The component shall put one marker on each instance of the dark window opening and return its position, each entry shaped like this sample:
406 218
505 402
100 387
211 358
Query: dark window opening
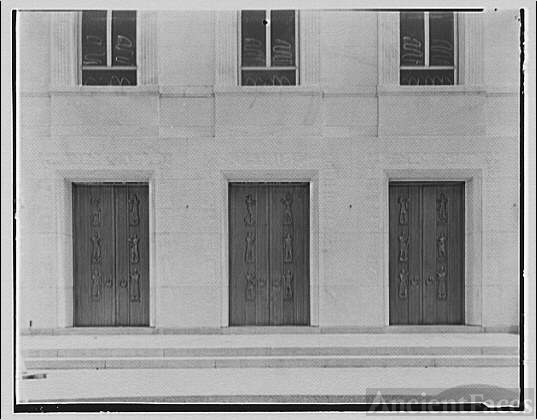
109 48
268 48
427 48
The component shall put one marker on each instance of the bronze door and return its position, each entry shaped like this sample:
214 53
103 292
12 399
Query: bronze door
111 255
269 253
426 235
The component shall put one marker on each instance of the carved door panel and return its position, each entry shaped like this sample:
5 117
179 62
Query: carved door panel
132 255
111 255
93 240
443 239
268 250
426 253
289 254
405 254
430 300
248 253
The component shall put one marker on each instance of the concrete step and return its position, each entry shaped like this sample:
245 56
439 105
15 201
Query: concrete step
266 351
267 362
92 341
273 351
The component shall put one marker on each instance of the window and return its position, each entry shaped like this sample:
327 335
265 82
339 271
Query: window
268 48
427 48
108 48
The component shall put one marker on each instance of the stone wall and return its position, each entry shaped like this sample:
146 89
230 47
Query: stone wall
189 133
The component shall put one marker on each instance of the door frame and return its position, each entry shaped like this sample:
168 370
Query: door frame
64 179
473 233
257 176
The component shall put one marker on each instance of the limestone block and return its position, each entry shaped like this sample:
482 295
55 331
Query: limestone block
189 306
351 305
431 115
38 305
347 59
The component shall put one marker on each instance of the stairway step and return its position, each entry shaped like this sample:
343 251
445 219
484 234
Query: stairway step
268 362
269 351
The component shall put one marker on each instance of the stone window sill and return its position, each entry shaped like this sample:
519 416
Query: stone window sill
269 90
104 90
395 90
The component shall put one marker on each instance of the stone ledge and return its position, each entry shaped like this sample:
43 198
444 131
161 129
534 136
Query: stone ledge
105 90
270 362
271 330
282 351
268 90
397 90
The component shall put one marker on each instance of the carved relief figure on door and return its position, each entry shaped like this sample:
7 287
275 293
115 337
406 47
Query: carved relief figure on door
96 251
250 286
96 284
288 285
134 251
403 247
403 210
441 246
442 282
287 211
288 248
249 254
442 209
134 210
95 211
135 285
249 220
403 283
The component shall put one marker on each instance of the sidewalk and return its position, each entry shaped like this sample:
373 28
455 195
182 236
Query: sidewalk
246 380
204 385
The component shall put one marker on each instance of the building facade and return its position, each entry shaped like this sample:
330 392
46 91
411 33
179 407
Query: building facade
347 170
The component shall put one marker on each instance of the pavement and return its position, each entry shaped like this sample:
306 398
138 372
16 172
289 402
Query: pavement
252 384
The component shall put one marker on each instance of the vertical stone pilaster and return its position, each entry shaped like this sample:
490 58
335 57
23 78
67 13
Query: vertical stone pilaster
147 48
388 48
226 48
471 49
64 49
309 38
